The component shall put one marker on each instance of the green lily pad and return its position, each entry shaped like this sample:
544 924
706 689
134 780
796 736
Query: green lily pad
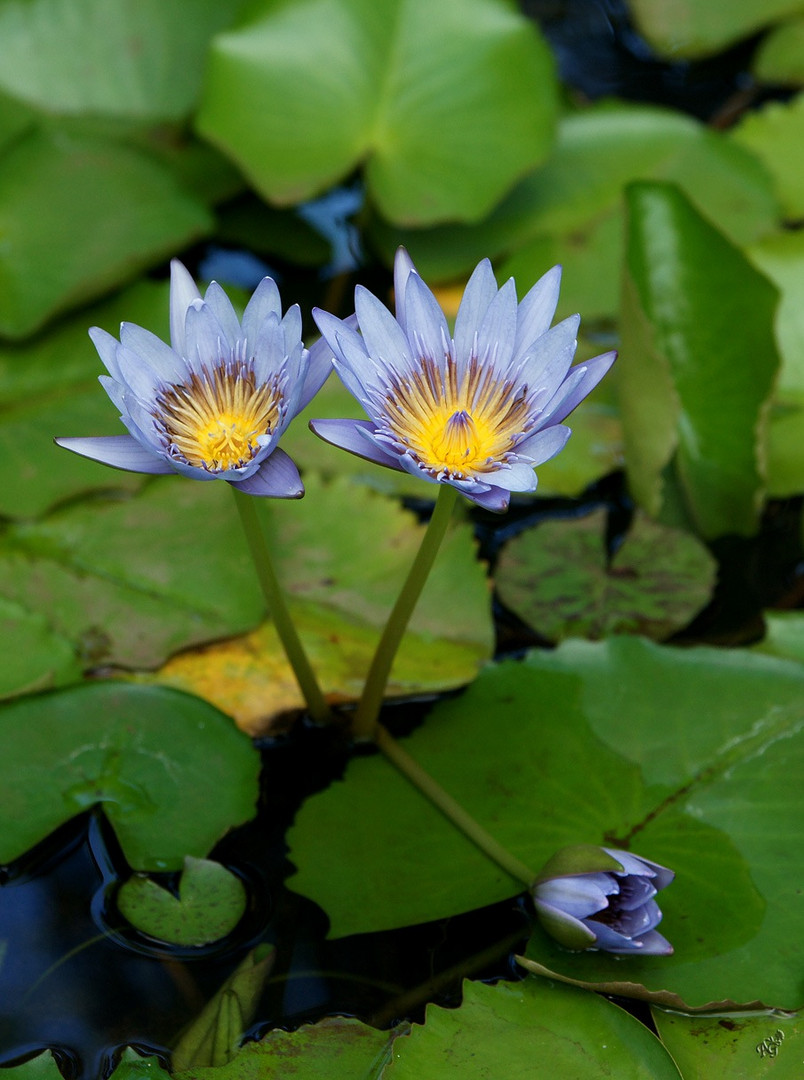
40 659
63 194
211 902
532 1028
784 635
41 1067
447 106
338 1047
135 1066
780 257
214 1037
48 387
779 58
109 57
775 133
689 29
593 743
127 580
725 1047
697 367
558 579
149 756
786 452
570 211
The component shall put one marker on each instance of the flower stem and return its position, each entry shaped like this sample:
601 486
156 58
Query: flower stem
278 610
368 708
451 809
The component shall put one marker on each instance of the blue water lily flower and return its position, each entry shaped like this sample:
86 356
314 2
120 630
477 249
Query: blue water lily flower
479 409
213 404
591 897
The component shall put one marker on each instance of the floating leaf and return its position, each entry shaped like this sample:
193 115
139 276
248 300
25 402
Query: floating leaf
40 659
338 1048
148 755
784 635
41 1067
211 902
775 133
780 257
725 1047
447 105
779 57
569 211
531 1028
688 28
135 1066
213 1037
64 195
693 389
137 58
558 578
50 387
250 679
129 581
786 452
593 743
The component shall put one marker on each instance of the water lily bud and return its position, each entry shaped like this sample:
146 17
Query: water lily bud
590 897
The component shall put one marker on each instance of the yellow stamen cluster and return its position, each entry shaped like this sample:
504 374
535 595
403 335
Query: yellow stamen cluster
460 428
213 420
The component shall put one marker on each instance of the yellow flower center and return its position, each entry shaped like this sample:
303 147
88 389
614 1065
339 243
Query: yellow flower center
213 420
458 428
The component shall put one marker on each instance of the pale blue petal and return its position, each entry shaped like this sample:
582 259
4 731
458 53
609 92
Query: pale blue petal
265 301
382 334
546 366
319 369
536 312
276 478
269 349
518 476
292 327
107 347
167 366
593 372
220 304
581 896
544 444
495 338
138 375
119 451
427 328
495 499
115 390
182 293
351 435
193 472
403 268
206 341
481 289
329 327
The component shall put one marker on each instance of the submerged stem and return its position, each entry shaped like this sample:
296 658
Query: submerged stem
451 809
368 708
278 610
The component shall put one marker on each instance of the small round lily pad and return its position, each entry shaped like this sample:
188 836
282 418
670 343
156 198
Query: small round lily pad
558 578
211 902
